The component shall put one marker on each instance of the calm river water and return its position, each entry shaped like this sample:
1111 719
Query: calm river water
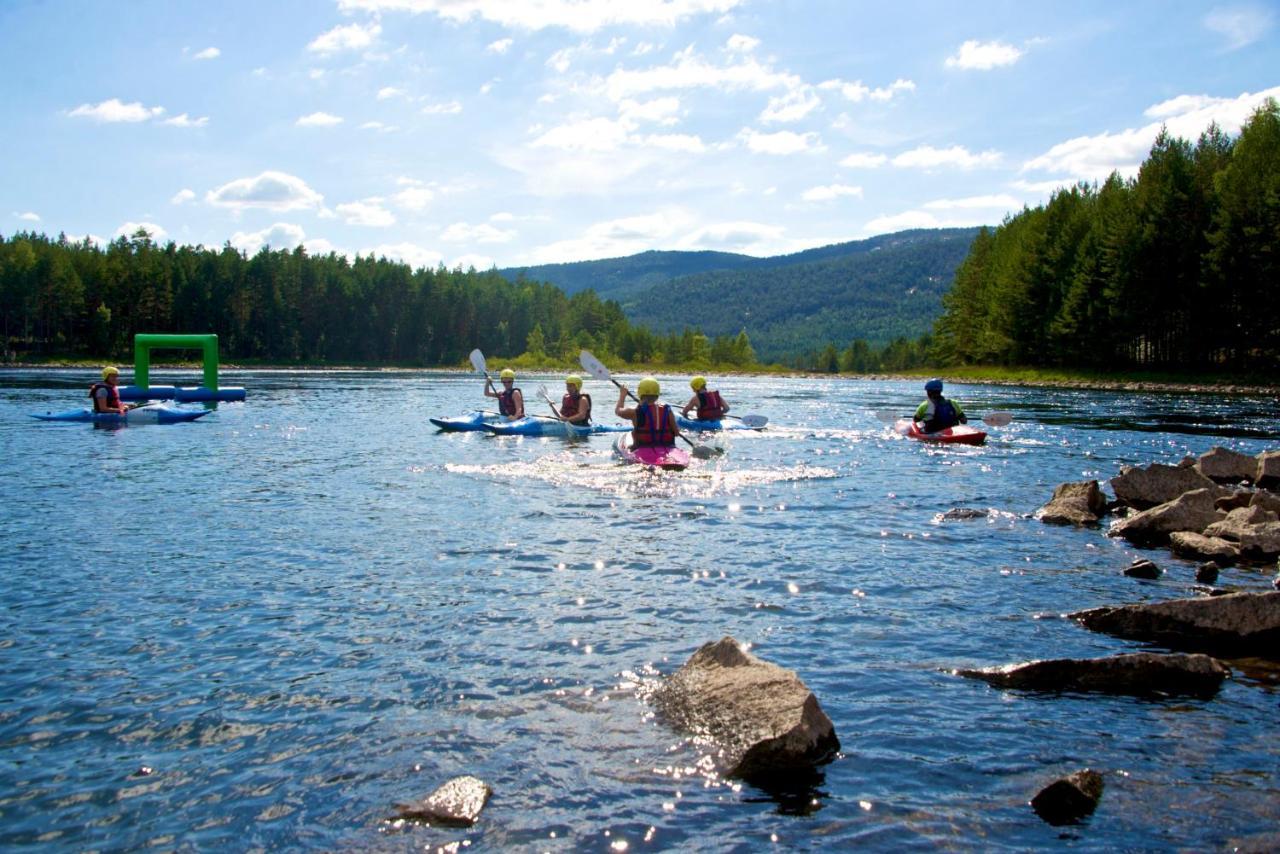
305 608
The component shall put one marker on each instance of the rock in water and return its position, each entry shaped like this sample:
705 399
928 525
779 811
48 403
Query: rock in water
1207 572
1156 484
1080 503
1142 568
761 716
1235 624
1192 545
1193 511
457 803
1142 674
1268 472
1226 466
1069 799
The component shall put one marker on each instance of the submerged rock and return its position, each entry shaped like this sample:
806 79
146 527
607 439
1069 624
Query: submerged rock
457 803
1156 484
1226 466
1142 674
1238 624
1192 511
1078 503
1207 573
1142 568
1192 545
1069 799
959 513
761 716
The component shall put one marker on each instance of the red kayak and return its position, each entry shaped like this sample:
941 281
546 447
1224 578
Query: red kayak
674 459
961 434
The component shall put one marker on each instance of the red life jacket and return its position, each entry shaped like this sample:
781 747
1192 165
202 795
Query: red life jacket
569 407
710 406
507 401
113 396
653 426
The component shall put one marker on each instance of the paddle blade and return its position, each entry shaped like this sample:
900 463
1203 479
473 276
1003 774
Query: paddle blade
542 393
477 362
998 419
594 366
706 452
888 416
755 422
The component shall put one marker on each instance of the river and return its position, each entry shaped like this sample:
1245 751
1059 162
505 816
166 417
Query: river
263 629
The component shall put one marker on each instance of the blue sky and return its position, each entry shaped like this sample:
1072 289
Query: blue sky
513 132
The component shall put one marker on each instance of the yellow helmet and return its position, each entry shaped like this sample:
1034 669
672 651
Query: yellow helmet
573 380
698 383
508 374
109 370
648 387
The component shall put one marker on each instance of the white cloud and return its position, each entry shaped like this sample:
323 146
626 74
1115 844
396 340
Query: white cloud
281 235
993 202
1240 25
687 70
448 108
28 216
923 219
581 16
412 254
829 192
1093 158
1042 188
753 238
368 212
390 92
379 127
500 46
862 160
414 197
857 91
594 134
690 143
114 110
661 110
183 196
318 120
128 229
616 238
185 121
274 191
983 56
487 86
480 262
928 157
462 232
208 53
791 106
739 43
349 37
782 142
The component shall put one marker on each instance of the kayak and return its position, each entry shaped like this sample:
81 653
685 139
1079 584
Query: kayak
139 415
673 458
710 426
961 434
549 427
471 421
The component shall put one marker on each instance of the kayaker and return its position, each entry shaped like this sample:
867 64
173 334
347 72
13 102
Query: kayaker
575 407
510 399
709 404
938 413
653 423
106 394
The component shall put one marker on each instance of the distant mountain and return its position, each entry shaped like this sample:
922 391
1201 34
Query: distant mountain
878 289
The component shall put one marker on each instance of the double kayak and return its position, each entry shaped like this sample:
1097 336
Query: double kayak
672 458
138 415
472 421
529 426
961 434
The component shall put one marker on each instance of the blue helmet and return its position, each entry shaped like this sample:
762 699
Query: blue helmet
933 385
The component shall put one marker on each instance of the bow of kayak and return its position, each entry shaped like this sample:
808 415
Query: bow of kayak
472 421
961 434
672 458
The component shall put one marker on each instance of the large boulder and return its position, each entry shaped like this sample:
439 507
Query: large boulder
1255 530
1235 624
1266 500
1156 484
1195 546
1268 472
1192 511
762 717
1224 465
1079 503
457 803
1069 799
1141 673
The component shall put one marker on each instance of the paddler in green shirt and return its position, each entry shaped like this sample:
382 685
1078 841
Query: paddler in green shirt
937 413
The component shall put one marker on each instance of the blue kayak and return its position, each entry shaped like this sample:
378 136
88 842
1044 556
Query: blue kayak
472 421
550 427
700 426
139 415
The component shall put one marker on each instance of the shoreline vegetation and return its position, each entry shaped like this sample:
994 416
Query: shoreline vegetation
1031 377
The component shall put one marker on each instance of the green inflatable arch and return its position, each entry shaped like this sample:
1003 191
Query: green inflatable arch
143 344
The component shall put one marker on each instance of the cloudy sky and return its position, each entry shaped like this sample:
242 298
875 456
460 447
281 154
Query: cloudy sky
512 132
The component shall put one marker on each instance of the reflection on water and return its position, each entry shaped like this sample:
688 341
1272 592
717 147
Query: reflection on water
307 607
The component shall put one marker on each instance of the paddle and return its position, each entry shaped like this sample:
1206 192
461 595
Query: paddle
596 368
542 393
755 422
477 362
999 418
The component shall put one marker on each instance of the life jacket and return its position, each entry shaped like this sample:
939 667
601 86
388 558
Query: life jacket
113 395
653 426
507 401
944 415
710 406
569 407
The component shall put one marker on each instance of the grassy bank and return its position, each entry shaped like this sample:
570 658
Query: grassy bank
1132 380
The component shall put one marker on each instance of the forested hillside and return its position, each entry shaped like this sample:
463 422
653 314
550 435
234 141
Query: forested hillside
618 278
1178 268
